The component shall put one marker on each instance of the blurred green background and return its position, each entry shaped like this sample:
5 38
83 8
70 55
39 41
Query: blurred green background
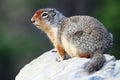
21 41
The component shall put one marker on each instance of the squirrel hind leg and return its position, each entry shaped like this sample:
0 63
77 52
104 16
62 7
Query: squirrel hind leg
85 55
96 62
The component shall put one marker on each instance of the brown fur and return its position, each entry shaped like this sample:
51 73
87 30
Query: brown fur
38 13
50 34
85 55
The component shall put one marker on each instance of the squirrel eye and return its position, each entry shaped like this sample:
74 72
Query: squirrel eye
44 14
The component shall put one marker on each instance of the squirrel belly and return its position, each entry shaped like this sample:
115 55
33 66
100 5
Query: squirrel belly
72 50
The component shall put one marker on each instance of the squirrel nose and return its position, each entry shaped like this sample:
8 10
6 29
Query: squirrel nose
33 20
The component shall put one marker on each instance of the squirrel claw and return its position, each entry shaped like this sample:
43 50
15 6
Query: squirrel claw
59 59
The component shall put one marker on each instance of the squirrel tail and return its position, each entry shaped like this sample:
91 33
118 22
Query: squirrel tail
96 62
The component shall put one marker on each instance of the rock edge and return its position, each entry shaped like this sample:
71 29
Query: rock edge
45 67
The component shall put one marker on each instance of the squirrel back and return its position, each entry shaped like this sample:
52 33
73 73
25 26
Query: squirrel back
86 33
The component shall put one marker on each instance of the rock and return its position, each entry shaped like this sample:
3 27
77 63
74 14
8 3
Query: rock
46 67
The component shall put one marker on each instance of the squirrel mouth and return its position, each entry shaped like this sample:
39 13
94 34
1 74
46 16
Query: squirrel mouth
38 26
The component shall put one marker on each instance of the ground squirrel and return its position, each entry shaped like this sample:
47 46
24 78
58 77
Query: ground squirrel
78 36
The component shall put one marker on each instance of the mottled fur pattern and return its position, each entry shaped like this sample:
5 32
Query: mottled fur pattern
87 34
78 36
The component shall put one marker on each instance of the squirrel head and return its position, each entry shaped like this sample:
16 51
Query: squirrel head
48 16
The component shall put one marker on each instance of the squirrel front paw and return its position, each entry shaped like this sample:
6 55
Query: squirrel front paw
60 59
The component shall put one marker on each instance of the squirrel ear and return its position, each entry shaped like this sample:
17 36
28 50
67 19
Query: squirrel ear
53 13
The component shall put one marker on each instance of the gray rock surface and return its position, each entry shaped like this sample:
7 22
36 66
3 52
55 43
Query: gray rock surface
45 67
